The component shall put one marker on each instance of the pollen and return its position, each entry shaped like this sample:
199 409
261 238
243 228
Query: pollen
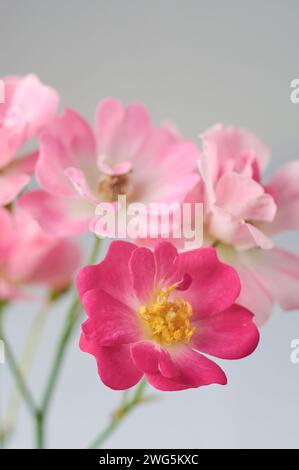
168 320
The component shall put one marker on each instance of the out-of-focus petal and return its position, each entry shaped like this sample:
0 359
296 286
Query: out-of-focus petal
284 188
58 216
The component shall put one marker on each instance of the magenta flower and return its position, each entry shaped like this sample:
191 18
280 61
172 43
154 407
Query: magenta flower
241 213
28 106
152 314
30 257
78 169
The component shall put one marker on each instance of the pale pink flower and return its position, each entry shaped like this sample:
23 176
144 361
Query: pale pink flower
29 257
152 314
28 106
241 213
77 168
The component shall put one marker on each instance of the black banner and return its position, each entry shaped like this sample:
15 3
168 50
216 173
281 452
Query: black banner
132 458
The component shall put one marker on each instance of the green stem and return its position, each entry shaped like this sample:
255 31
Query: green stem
40 437
72 317
25 365
15 370
118 416
71 320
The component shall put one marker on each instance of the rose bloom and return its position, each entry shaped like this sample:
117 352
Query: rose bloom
241 213
29 257
28 106
126 155
152 314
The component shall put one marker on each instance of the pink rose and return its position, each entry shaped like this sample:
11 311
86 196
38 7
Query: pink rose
77 168
241 213
152 314
28 106
30 257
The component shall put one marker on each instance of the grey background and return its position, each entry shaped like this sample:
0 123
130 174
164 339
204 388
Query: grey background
197 62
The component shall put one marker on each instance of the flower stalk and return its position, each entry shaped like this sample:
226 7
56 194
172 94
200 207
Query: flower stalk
15 370
25 365
71 321
120 413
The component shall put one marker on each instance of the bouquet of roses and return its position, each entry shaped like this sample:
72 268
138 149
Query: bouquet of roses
156 303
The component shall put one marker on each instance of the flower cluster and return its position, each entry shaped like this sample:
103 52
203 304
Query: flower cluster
152 310
29 256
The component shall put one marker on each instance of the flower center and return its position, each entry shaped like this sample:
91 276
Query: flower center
168 320
110 186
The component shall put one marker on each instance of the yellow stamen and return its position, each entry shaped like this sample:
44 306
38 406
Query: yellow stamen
168 321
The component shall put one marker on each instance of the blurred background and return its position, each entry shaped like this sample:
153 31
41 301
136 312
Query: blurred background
196 62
